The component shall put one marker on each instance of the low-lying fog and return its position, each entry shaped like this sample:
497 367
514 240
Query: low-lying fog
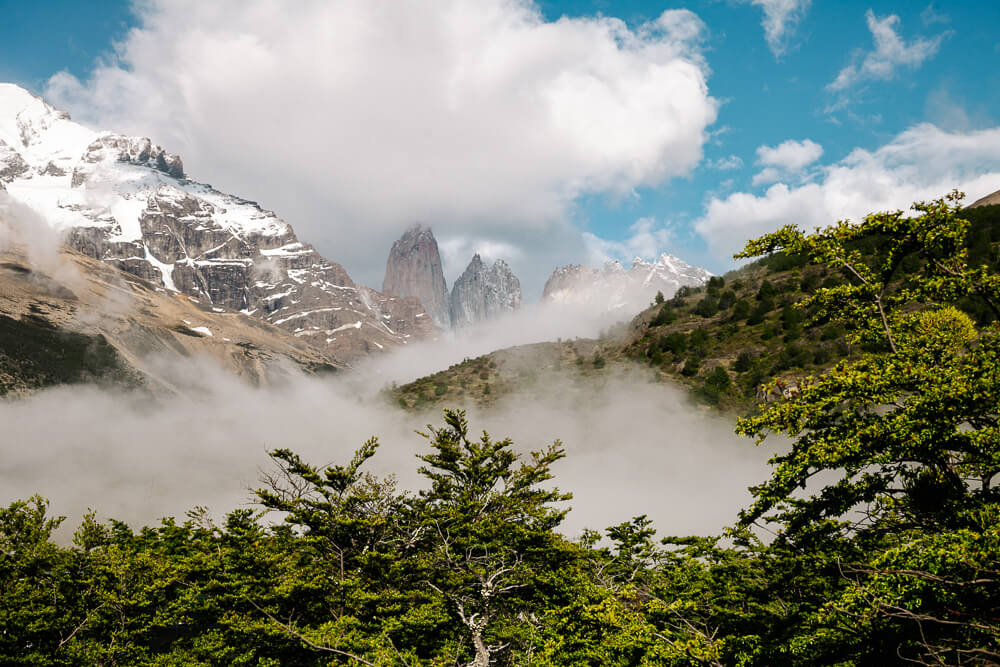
633 448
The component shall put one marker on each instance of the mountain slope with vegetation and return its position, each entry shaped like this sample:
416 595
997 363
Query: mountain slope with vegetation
727 341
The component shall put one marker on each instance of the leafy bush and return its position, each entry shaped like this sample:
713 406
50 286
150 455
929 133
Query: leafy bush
707 307
691 366
675 342
744 361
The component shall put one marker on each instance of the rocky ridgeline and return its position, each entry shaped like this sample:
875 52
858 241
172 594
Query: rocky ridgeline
126 201
484 292
481 292
613 287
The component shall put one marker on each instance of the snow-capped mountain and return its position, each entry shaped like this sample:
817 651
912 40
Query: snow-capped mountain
615 288
128 202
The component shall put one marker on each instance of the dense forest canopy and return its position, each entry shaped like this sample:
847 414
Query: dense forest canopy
882 522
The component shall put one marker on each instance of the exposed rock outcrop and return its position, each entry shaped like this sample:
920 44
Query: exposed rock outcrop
12 164
989 200
414 269
484 292
58 329
612 287
126 201
139 151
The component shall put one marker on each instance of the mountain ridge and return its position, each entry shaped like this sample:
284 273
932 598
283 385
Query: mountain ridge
129 202
613 287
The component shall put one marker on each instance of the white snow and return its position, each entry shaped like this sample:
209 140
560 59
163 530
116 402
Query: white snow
166 270
202 330
288 250
306 313
356 325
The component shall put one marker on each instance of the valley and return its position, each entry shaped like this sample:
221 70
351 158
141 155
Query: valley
218 447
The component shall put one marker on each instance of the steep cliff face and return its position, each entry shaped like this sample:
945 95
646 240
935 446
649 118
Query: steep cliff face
612 287
126 201
484 292
414 269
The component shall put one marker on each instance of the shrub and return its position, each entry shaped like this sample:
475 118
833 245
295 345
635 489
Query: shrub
707 307
766 290
727 299
666 315
675 343
744 361
691 366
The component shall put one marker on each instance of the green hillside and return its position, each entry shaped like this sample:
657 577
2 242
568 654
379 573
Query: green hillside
725 341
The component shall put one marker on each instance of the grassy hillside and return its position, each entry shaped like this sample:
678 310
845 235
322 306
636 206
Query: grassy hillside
482 381
724 340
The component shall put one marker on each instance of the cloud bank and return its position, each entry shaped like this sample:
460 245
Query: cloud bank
921 163
633 447
353 119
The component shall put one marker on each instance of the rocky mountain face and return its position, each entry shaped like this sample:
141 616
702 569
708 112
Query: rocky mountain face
483 292
126 201
613 287
414 269
82 320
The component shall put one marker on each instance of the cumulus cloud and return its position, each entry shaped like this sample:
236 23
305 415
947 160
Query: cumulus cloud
787 159
891 52
780 20
647 239
354 118
921 163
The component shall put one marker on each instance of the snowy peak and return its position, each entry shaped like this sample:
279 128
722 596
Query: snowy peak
38 132
128 202
613 288
138 151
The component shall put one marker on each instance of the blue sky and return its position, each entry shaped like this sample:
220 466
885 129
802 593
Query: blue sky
941 74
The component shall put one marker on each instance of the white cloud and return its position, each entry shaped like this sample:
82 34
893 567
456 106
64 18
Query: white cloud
780 20
930 15
921 163
726 163
354 118
767 175
792 155
647 240
891 51
785 160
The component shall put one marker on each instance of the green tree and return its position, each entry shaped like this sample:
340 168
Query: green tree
908 432
489 529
